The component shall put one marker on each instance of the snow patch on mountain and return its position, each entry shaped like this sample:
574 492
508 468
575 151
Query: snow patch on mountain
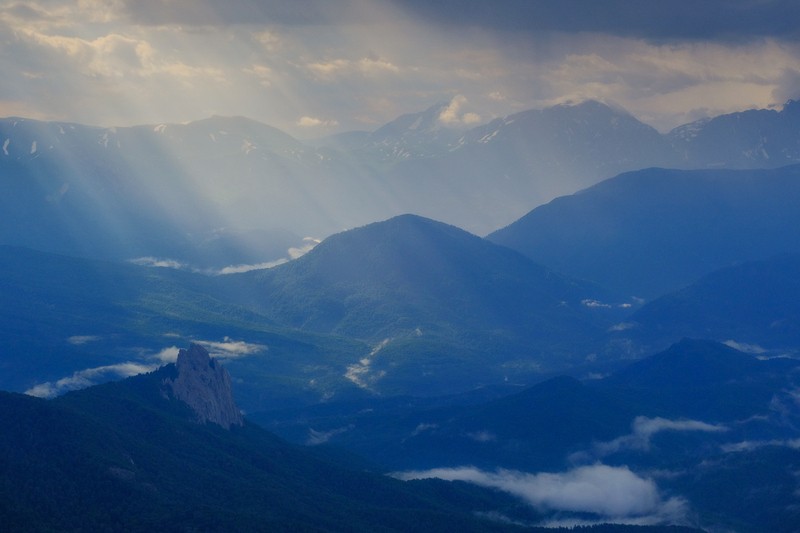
487 138
687 132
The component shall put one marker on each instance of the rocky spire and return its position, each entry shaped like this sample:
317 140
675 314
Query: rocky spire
205 386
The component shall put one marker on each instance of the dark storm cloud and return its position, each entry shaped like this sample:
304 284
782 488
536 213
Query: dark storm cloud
260 12
313 67
729 20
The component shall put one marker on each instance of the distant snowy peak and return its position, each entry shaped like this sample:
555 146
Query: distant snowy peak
23 138
687 132
747 139
413 135
589 119
228 135
427 121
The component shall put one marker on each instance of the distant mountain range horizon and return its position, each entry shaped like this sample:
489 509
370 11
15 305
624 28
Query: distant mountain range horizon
225 191
411 118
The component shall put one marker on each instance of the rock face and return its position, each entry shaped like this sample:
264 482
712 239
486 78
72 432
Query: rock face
205 386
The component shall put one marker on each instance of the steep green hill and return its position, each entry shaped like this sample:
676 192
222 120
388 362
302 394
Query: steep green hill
445 310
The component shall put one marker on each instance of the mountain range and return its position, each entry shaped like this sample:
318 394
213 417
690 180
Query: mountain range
441 307
227 190
626 352
752 305
408 305
652 231
414 306
696 415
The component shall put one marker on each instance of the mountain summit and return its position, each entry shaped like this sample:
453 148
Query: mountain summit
205 386
442 309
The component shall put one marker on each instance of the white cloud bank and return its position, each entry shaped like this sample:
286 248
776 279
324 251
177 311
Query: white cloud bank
226 349
88 377
292 252
614 494
314 122
78 340
230 349
643 429
167 355
751 445
454 115
745 347
158 262
239 269
316 438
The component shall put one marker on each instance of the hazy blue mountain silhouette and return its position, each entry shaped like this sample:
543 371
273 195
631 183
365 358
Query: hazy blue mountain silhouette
232 189
498 171
756 304
757 138
654 231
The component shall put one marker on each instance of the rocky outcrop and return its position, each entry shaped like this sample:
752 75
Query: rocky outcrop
205 386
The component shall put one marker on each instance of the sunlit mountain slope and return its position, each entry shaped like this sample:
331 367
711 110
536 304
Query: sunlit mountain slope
228 191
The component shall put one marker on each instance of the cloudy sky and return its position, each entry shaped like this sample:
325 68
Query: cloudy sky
313 67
